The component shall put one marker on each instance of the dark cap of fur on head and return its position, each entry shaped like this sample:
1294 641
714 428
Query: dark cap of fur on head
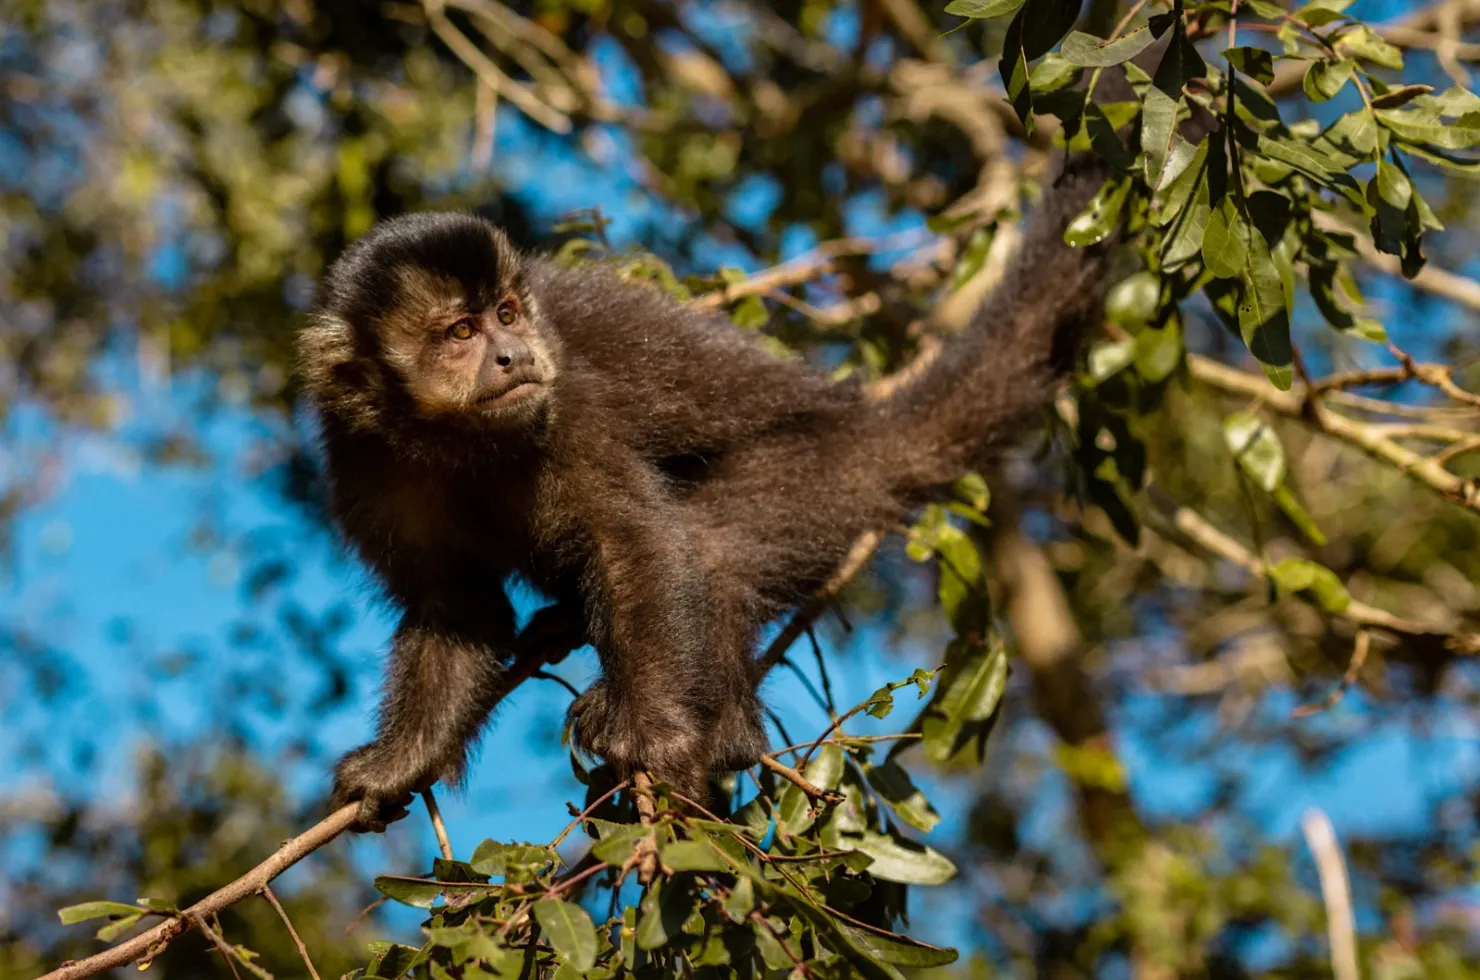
387 280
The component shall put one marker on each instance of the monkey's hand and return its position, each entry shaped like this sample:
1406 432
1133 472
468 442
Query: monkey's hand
637 734
382 787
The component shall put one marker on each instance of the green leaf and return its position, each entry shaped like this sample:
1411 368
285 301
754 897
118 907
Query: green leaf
750 313
1257 63
904 861
967 701
1091 129
961 587
393 960
1363 42
1088 51
1184 241
118 927
1402 95
693 855
1303 575
1263 314
1109 359
1319 12
1175 191
1322 279
414 893
569 930
1052 74
1415 127
1133 301
662 912
616 847
898 950
1166 154
1355 134
1158 351
1389 192
825 770
73 914
1266 9
1099 218
894 786
1033 31
468 941
1323 79
1180 62
1257 448
973 257
1225 247
973 489
1299 516
740 901
982 8
514 862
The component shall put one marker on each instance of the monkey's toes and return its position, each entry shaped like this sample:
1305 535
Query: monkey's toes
382 792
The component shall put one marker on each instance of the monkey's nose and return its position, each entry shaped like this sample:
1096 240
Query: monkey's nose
511 353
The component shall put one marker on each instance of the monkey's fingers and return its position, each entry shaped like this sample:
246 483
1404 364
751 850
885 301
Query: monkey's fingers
377 814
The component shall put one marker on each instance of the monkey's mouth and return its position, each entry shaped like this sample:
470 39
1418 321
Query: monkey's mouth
516 390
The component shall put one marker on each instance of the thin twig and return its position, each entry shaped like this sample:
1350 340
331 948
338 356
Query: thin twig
283 914
846 740
814 792
349 929
227 953
802 620
815 263
589 810
1335 893
1354 668
438 827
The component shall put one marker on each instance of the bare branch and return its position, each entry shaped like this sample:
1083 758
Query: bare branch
492 75
283 914
813 792
1299 403
145 946
1358 661
1335 892
438 827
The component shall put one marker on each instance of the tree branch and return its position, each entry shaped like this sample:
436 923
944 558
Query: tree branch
147 945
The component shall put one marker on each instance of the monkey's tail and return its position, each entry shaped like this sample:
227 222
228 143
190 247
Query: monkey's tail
992 380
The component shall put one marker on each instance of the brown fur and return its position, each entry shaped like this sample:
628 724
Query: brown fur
670 478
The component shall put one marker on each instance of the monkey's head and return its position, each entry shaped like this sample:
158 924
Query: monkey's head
426 324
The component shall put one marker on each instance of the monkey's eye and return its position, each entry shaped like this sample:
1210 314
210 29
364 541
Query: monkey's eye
462 330
507 312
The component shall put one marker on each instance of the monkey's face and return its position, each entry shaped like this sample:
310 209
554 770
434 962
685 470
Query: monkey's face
428 316
478 358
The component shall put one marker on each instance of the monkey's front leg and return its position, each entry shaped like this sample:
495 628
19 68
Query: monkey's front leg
653 624
439 689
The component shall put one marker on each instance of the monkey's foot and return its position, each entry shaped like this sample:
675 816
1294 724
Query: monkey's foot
383 789
635 736
739 736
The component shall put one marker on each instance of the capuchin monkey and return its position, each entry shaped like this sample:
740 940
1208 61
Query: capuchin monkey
488 414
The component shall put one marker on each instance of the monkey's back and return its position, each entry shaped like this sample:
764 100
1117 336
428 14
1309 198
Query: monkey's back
677 380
